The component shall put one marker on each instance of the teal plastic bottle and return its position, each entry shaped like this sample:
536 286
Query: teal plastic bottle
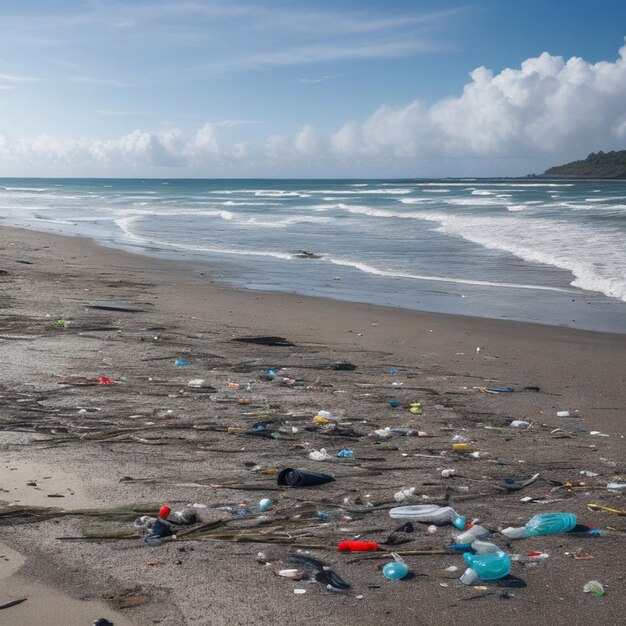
489 566
543 524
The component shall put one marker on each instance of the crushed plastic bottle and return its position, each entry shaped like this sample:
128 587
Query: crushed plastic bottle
424 513
491 566
345 454
543 524
397 569
471 534
593 586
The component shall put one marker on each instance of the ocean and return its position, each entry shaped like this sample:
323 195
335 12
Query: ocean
535 250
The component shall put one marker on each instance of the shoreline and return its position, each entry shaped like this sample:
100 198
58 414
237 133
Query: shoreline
151 439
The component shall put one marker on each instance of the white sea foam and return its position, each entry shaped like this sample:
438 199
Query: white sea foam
435 191
481 192
370 269
594 256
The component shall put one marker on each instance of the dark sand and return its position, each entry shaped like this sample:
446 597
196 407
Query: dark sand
171 443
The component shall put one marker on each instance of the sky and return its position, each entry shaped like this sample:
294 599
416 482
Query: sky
308 89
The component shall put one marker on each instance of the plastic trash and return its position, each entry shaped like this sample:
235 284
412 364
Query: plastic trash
104 380
265 504
446 473
383 433
543 524
196 383
324 574
320 455
500 389
416 408
593 586
484 547
424 513
403 494
519 424
614 486
486 566
181 362
345 454
298 478
357 546
562 413
461 447
395 403
396 570
471 534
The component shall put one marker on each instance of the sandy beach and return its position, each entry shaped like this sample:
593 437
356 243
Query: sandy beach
75 316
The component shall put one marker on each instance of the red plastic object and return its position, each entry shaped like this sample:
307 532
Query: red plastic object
164 511
103 380
357 546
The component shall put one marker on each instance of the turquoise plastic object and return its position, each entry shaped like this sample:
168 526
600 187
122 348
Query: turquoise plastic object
550 524
458 522
489 566
396 570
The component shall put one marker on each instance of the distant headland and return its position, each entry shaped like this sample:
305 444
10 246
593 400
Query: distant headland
596 165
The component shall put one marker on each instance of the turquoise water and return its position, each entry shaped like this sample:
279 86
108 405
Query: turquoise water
547 251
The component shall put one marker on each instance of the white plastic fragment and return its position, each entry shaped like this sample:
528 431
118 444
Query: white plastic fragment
519 424
403 494
562 413
299 592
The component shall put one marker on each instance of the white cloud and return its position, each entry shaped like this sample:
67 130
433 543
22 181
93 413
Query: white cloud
547 107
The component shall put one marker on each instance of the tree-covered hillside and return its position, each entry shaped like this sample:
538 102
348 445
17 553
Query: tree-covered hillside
596 165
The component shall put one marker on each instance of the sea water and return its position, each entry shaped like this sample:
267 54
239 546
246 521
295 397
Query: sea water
539 250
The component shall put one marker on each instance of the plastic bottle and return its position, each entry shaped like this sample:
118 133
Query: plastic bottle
471 534
424 513
396 570
486 566
543 524
345 454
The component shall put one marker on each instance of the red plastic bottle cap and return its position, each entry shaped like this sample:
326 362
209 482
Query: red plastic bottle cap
535 553
164 511
357 546
103 380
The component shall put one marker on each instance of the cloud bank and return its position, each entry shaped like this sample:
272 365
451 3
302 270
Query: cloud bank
545 109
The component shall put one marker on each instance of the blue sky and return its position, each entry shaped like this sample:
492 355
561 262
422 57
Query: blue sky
299 89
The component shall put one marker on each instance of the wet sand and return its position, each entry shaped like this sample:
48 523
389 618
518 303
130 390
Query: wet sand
151 439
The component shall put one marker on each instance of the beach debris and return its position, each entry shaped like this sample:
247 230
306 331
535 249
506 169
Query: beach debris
324 574
491 565
593 586
598 507
123 307
399 535
396 569
102 621
615 486
292 574
543 524
519 424
320 455
342 366
128 598
270 340
306 254
298 478
447 473
432 513
299 592
404 493
265 504
515 484
8 605
562 414
357 546
394 404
